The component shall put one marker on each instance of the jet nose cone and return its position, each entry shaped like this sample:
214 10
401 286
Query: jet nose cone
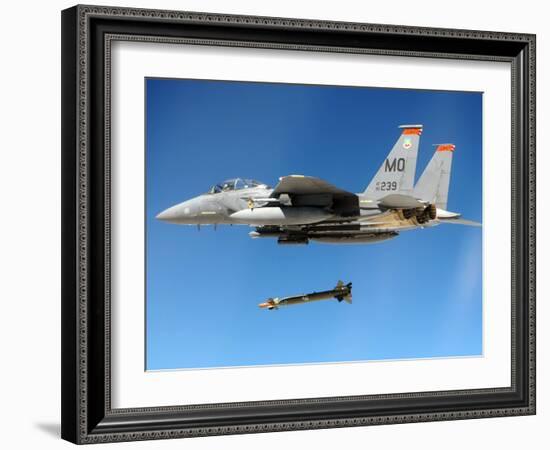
167 215
183 213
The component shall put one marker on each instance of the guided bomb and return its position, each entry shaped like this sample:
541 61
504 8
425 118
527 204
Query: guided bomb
340 292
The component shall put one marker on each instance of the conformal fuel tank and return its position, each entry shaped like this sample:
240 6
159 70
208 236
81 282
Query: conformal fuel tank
276 215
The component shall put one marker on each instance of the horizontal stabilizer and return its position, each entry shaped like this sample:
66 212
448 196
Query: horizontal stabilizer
400 201
467 222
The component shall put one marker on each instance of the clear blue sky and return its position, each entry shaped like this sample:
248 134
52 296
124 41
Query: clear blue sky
416 296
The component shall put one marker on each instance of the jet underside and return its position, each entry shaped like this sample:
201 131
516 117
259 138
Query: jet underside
370 227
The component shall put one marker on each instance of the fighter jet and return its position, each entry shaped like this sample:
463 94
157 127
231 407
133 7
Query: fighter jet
340 292
303 208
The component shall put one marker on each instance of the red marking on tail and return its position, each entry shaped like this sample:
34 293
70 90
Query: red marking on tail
417 131
445 148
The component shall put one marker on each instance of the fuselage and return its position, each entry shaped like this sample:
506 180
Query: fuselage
250 207
301 219
246 207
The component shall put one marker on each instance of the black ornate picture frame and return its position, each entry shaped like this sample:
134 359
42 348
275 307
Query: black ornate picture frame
87 34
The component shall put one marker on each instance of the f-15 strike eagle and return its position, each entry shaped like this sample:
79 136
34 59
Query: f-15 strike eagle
302 208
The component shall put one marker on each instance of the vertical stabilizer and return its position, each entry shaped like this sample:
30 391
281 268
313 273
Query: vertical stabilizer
433 185
396 175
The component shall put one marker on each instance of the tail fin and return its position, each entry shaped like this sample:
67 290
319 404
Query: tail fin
396 175
348 297
433 185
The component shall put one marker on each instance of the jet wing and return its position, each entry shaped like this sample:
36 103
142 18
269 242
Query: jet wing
311 191
304 185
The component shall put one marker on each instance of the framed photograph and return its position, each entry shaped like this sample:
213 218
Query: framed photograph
279 224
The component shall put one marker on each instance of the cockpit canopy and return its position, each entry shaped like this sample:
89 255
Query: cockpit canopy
235 184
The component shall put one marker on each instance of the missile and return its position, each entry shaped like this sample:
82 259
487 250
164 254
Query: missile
340 292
